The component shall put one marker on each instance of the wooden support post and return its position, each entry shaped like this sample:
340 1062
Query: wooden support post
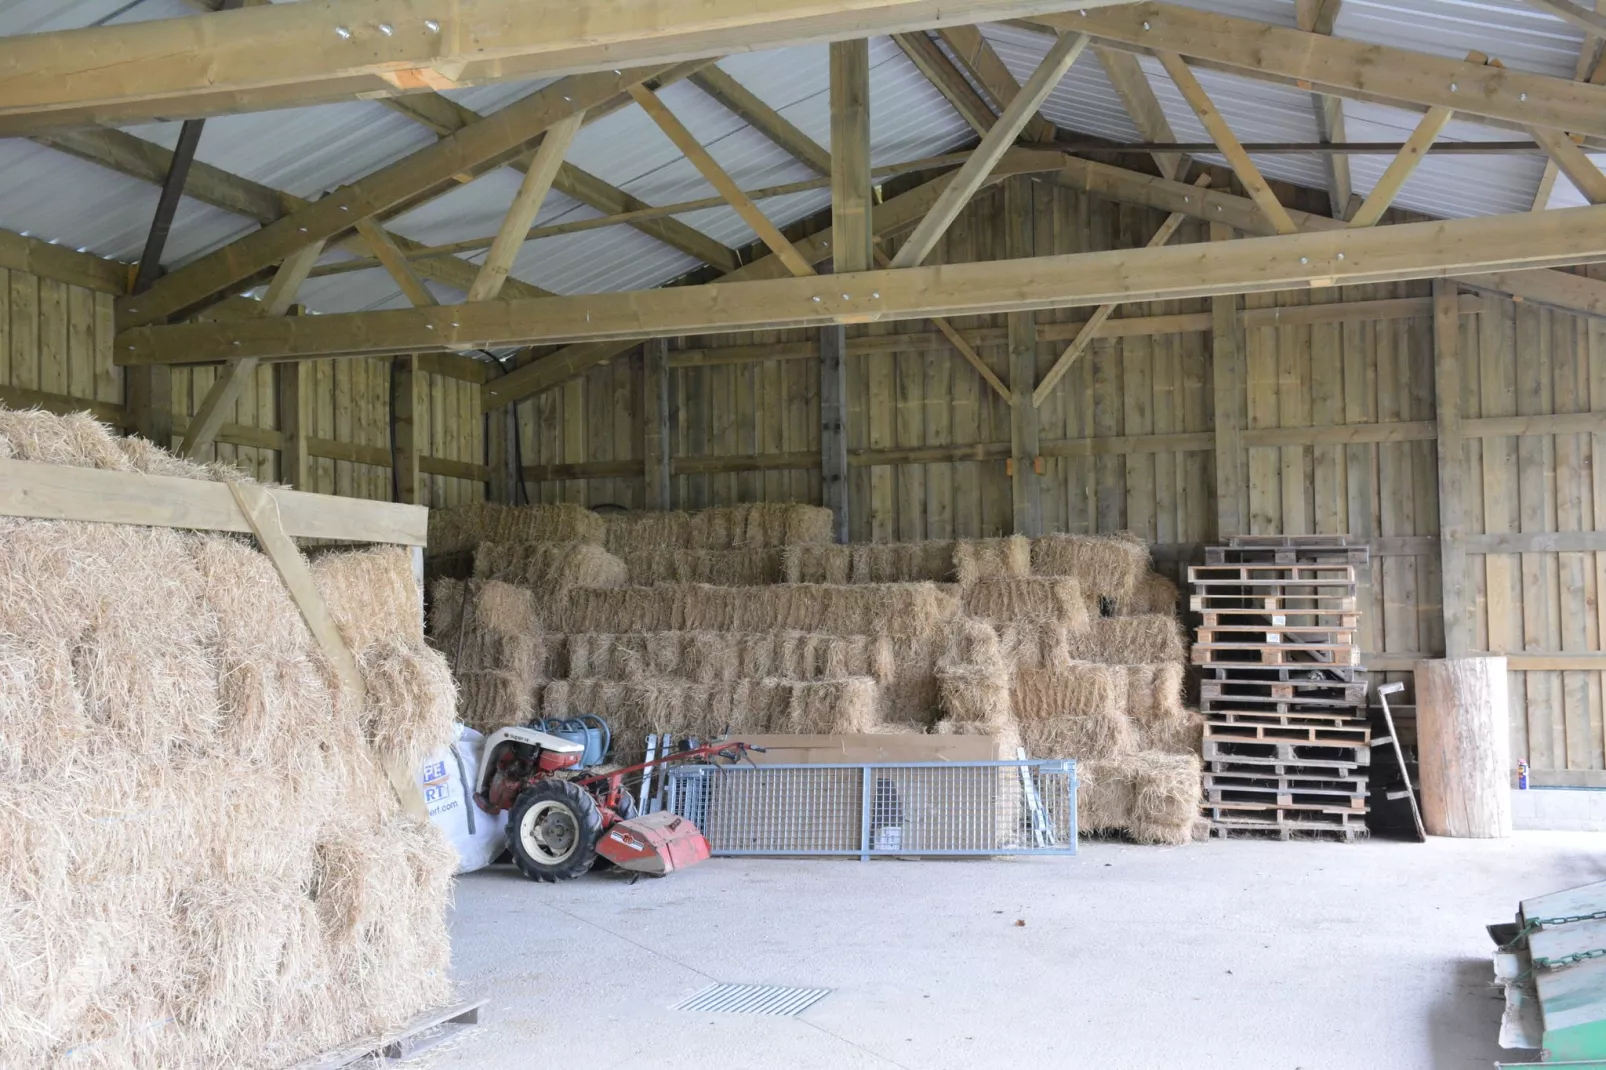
850 155
262 514
404 387
833 426
150 403
1227 356
1025 486
1457 604
293 456
1463 736
655 434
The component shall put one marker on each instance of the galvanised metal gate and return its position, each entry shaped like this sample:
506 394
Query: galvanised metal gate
891 809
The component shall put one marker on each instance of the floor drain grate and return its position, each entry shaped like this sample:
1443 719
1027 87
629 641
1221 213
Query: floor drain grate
753 999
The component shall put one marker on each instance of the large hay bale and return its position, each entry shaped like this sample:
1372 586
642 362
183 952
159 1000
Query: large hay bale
976 559
882 562
1104 796
1165 796
682 708
550 566
1107 566
1153 593
756 526
727 568
174 750
1185 735
1077 713
1029 645
489 700
706 657
503 633
1153 637
463 527
1009 599
1154 694
879 609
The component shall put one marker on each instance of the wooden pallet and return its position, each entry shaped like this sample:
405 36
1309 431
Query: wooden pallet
1346 833
1277 814
1219 601
1357 556
1248 619
1234 712
1319 655
1264 633
1272 767
1328 735
1263 750
1295 575
1218 795
1318 780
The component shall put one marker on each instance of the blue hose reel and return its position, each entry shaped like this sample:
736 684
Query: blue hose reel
596 737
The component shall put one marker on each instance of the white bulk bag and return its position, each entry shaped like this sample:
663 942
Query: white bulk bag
447 780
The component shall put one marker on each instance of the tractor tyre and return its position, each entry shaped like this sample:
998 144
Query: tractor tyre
553 830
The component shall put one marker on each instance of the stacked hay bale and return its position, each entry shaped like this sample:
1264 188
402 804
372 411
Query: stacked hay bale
201 861
749 618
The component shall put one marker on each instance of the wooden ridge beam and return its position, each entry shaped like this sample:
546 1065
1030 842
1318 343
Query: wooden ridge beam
268 55
1330 258
1379 73
490 143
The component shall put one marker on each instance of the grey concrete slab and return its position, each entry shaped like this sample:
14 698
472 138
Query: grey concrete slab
1305 955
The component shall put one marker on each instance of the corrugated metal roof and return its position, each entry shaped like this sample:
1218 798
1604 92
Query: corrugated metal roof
308 151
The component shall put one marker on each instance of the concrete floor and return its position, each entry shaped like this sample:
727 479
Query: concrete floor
1225 954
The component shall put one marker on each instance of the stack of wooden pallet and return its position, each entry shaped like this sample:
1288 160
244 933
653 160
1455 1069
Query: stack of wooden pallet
1286 744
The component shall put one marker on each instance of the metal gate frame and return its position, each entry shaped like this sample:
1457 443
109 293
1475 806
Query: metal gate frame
1048 791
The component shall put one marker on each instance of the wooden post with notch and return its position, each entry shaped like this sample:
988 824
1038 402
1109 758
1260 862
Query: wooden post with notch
1452 469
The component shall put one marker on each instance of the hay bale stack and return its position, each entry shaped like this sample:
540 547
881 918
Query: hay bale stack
1031 645
635 708
1076 713
757 526
553 566
977 559
464 527
1152 637
503 634
1107 566
882 562
729 568
707 657
200 862
1154 593
909 609
1008 599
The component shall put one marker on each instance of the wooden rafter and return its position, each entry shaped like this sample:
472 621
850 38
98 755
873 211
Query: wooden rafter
717 177
974 172
946 79
411 180
745 105
526 205
269 55
1573 162
395 262
1254 183
445 116
1378 73
1090 329
1132 85
977 57
1589 67
128 155
1436 249
891 217
1399 169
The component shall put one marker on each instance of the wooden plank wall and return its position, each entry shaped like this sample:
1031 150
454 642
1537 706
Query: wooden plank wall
55 353
1339 436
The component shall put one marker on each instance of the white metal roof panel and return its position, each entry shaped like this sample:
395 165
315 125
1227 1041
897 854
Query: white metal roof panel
1449 186
1083 102
1512 31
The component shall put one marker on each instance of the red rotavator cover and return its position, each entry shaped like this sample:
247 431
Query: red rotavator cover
655 844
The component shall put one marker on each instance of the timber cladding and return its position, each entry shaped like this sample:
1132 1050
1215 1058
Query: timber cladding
1337 428
56 354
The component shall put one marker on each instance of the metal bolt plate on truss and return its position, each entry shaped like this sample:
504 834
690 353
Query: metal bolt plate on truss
753 999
